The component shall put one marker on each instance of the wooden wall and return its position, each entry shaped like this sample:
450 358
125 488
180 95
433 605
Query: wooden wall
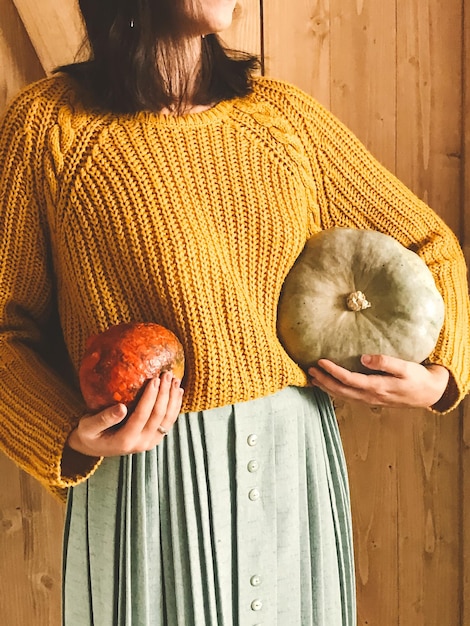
397 72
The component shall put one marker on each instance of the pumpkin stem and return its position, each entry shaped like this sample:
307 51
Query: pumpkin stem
357 301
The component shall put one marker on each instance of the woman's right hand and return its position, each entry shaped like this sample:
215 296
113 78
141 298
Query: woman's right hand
159 407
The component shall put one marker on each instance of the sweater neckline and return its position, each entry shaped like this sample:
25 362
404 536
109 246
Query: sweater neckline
213 115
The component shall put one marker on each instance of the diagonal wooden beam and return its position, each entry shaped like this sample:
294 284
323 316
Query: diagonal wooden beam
55 29
19 64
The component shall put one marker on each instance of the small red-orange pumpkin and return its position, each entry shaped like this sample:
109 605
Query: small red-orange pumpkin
118 362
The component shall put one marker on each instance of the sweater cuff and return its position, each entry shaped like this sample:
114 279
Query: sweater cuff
449 399
76 467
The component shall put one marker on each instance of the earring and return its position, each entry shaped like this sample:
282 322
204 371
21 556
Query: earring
131 24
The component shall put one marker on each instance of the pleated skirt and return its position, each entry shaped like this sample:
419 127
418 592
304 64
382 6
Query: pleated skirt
241 517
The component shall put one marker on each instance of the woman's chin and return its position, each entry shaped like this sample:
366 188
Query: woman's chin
218 26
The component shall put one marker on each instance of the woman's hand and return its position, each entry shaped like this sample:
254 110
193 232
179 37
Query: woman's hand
403 384
159 407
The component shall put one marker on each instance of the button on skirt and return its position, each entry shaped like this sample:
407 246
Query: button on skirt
241 517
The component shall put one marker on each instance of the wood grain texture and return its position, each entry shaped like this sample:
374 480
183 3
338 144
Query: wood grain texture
363 72
297 44
429 103
396 82
245 31
363 96
19 64
31 523
372 454
429 122
30 520
55 29
464 490
464 487
429 541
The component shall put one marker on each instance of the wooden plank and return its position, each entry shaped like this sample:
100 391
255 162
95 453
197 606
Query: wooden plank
465 135
19 64
55 29
429 64
363 90
296 36
465 218
15 598
428 160
363 72
428 519
371 447
245 31
31 523
30 520
464 559
43 521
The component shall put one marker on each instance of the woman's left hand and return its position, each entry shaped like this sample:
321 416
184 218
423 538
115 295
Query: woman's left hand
402 384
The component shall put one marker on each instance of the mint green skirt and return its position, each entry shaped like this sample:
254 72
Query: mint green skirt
241 517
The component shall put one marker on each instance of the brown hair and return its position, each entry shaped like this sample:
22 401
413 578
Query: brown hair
138 59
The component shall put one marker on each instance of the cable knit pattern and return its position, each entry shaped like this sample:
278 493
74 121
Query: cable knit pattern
191 222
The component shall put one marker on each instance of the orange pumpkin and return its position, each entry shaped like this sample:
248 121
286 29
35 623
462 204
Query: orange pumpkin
118 362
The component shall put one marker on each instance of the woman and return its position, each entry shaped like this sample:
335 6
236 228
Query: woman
161 181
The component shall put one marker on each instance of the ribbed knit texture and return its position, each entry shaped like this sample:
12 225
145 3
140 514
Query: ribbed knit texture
191 222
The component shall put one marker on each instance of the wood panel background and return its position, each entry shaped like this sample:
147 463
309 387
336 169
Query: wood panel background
397 72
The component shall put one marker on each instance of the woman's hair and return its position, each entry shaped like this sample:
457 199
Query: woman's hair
139 56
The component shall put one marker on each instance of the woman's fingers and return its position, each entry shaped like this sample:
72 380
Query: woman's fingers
111 417
387 364
86 437
159 407
401 383
140 415
167 405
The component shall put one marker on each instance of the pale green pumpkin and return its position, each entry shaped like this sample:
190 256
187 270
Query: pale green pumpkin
354 292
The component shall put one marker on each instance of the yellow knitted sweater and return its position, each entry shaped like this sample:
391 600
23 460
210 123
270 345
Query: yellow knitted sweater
191 222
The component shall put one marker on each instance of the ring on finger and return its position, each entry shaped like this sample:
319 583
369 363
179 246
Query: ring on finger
163 431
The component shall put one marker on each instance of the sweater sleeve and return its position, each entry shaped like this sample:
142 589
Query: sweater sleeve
355 191
38 408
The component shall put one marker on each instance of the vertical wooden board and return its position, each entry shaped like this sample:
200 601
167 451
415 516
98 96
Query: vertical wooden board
31 523
55 29
415 515
465 214
428 519
19 64
464 490
296 44
429 103
30 536
370 442
465 220
363 72
363 89
43 521
465 204
15 596
245 31
429 113
428 161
